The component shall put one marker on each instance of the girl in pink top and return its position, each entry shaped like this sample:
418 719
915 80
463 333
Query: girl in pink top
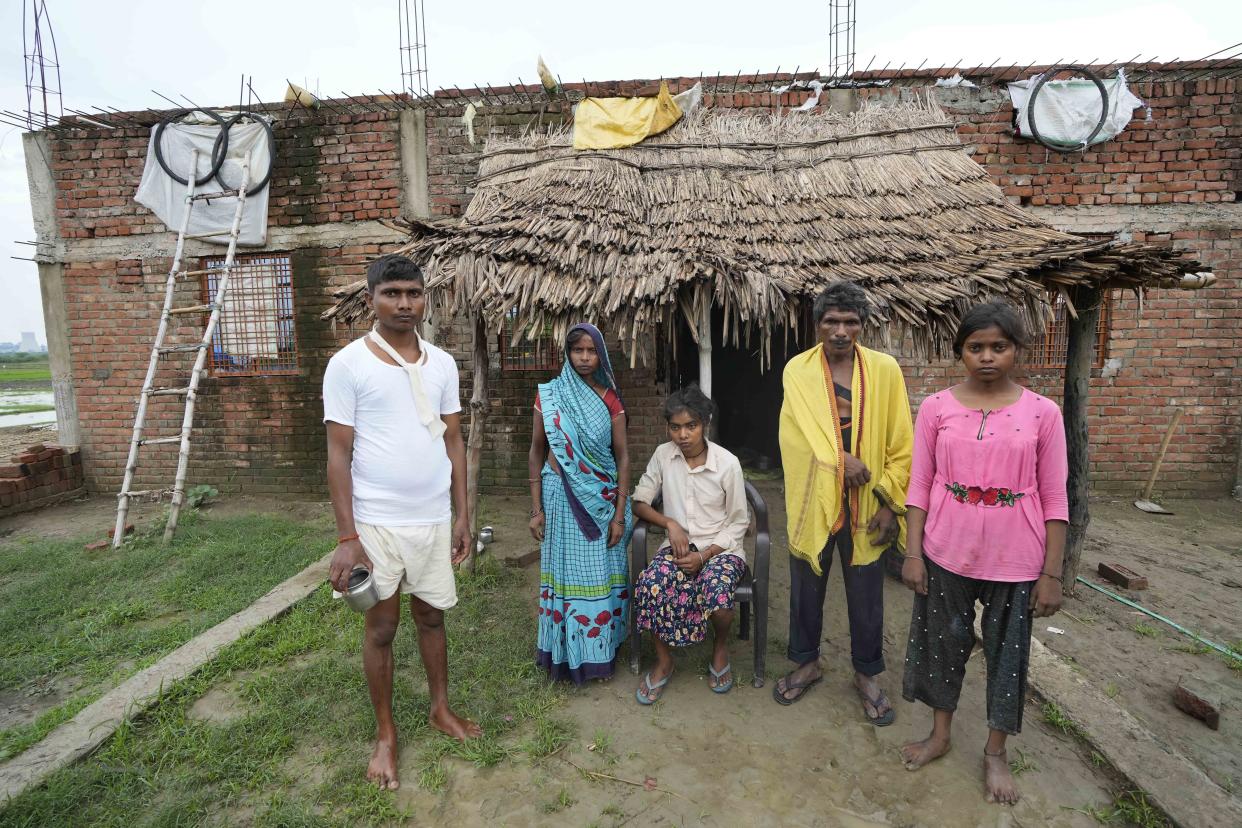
986 522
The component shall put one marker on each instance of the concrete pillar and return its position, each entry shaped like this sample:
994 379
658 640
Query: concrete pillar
52 284
844 101
52 292
415 197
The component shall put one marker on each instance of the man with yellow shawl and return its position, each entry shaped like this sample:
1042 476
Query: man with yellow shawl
846 443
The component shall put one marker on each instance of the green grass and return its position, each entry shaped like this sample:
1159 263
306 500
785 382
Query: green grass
87 620
1057 717
25 372
1129 808
560 802
1146 630
25 408
297 753
1022 764
1230 661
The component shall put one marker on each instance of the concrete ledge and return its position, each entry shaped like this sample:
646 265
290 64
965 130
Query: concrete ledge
86 731
163 243
1170 780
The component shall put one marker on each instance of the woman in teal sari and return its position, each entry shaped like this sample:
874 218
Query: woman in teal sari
579 479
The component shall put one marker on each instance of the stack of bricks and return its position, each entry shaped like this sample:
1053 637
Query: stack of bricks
39 476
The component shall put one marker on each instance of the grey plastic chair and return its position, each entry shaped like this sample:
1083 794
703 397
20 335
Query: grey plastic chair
751 590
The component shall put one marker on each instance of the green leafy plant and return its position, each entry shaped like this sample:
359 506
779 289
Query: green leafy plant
201 495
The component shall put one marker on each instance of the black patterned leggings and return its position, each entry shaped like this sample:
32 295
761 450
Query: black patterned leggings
942 635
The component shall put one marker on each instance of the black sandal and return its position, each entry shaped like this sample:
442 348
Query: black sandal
880 719
779 695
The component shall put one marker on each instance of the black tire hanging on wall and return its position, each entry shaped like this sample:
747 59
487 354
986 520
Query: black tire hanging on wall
218 150
271 151
1058 146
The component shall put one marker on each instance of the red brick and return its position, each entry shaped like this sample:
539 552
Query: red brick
1123 577
1198 698
129 527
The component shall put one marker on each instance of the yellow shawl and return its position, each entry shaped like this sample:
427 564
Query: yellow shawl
810 437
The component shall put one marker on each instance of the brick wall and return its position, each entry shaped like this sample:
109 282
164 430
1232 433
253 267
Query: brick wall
1172 177
328 168
39 476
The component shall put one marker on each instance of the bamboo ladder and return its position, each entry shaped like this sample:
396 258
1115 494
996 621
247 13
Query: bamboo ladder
159 349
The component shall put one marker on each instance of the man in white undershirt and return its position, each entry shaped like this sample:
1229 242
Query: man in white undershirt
395 453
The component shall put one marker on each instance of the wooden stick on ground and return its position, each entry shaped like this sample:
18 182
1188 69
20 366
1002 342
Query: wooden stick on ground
598 775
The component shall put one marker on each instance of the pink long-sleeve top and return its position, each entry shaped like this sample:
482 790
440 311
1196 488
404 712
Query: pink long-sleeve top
988 480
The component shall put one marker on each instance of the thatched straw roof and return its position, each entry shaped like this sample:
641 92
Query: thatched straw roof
752 213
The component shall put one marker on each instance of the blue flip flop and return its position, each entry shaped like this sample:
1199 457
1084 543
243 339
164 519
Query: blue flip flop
722 688
650 699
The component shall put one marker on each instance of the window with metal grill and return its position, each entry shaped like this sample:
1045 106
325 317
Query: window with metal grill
255 335
1049 350
541 354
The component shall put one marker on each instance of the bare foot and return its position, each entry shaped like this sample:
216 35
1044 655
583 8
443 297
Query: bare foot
448 722
915 755
998 780
383 768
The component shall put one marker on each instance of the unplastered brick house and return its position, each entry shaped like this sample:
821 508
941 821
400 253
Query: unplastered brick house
345 171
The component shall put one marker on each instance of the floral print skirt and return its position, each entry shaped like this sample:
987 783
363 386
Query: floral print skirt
676 607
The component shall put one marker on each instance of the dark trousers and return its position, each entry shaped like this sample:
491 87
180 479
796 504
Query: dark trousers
942 633
864 598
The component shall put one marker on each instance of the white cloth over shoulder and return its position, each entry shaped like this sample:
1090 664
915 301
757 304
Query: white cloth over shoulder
166 198
414 370
401 473
1067 110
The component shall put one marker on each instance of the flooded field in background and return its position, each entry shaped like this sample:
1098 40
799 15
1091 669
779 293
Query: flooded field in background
26 406
26 393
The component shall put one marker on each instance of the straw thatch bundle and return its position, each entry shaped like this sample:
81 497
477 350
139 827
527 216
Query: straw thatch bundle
751 213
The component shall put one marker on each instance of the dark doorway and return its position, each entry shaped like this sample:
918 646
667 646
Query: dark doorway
748 399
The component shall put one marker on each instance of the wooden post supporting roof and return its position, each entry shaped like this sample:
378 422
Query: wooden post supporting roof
1079 357
705 350
478 418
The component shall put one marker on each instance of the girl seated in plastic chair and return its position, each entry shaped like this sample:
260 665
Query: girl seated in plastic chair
691 582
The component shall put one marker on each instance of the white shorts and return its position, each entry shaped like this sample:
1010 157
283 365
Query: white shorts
415 558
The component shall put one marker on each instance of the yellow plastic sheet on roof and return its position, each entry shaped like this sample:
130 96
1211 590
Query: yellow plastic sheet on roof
609 123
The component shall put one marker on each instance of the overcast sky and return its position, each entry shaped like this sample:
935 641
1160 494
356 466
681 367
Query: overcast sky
113 53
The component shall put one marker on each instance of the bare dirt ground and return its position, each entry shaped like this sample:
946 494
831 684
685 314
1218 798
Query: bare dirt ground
1193 561
14 439
741 758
